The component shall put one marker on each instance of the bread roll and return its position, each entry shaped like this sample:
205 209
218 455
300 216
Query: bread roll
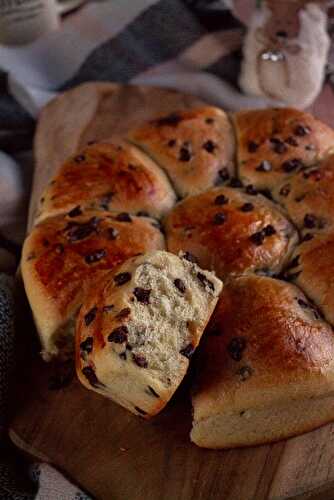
108 176
64 254
312 269
308 196
231 232
195 147
137 330
266 370
274 143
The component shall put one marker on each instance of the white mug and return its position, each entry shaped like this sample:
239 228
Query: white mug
22 21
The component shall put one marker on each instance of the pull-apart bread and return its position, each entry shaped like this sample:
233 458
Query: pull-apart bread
138 329
248 197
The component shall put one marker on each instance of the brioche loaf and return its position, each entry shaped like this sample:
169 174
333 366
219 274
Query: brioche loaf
263 223
64 253
138 329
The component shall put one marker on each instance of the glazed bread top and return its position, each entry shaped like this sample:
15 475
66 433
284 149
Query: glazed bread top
108 176
231 232
273 143
265 344
308 196
62 254
196 147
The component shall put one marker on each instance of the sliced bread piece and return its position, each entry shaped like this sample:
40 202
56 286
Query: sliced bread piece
138 328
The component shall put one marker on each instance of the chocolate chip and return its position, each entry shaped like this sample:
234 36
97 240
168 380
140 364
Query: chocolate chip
119 335
185 152
90 316
180 285
190 257
267 193
87 345
269 230
209 121
140 360
139 410
106 199
42 200
301 130
45 242
310 221
204 280
75 211
291 141
59 248
122 278
235 347
209 146
79 158
142 295
77 232
278 146
290 165
235 183
245 372
122 355
123 217
250 189
152 391
285 190
307 237
300 198
142 213
310 147
257 238
123 313
171 120
112 233
252 147
90 375
224 174
188 351
265 166
221 200
219 218
108 308
171 143
281 34
95 256
247 207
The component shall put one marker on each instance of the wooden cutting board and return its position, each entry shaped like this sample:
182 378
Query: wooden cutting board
109 452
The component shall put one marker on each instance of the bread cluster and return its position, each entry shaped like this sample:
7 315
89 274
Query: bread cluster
133 237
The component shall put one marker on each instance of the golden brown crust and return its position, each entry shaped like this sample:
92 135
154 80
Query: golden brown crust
308 196
312 269
195 148
108 176
229 231
62 254
265 345
273 143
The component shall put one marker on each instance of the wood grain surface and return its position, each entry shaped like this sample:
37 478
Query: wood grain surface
109 452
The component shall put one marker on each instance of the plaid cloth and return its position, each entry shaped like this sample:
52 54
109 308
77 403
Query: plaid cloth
193 46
